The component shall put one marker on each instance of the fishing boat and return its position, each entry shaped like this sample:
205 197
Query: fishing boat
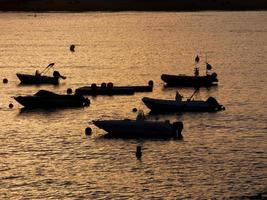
41 78
180 105
140 128
196 80
47 99
109 89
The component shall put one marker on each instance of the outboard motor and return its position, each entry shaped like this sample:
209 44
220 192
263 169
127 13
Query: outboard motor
214 102
57 74
214 77
177 129
86 102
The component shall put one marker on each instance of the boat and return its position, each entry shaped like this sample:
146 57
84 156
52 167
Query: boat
109 89
140 128
180 105
47 99
196 80
41 78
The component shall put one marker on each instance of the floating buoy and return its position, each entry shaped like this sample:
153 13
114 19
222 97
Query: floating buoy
88 131
110 85
93 86
103 85
138 152
72 47
150 83
69 91
10 105
134 109
5 80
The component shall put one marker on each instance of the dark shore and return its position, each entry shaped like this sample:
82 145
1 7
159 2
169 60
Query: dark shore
131 5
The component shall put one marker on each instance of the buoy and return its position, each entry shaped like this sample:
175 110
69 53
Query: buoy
88 131
150 83
93 86
5 80
72 47
103 85
69 91
10 106
110 85
134 109
138 152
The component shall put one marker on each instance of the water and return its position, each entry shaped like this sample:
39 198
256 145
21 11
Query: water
46 155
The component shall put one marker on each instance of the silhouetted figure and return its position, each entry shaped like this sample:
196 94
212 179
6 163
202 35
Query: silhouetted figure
138 152
37 73
196 71
72 47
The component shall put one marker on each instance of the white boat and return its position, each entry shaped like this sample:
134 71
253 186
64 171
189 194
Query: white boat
140 128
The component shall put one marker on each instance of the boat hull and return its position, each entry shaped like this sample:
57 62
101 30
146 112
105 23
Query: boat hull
139 129
33 79
118 90
189 81
161 106
52 100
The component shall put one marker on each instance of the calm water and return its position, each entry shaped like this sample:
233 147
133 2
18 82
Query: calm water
46 155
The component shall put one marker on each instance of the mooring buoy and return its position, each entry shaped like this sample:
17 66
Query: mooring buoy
72 48
88 131
5 80
134 109
69 91
10 105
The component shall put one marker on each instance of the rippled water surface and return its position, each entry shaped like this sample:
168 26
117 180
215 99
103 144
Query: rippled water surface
45 154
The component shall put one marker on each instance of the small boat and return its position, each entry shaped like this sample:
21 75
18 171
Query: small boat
207 80
190 81
41 78
179 105
140 128
109 89
47 99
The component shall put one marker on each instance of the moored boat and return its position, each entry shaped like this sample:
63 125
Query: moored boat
179 105
41 78
47 99
190 81
140 128
109 89
197 80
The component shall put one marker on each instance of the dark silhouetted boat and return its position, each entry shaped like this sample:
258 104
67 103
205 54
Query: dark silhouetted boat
207 80
140 128
109 89
179 105
47 99
41 78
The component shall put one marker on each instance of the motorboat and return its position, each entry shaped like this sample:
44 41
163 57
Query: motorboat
47 99
110 89
140 128
190 81
180 105
41 78
196 80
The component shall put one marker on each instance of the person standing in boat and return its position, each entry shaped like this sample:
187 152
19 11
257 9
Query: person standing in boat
178 97
37 73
